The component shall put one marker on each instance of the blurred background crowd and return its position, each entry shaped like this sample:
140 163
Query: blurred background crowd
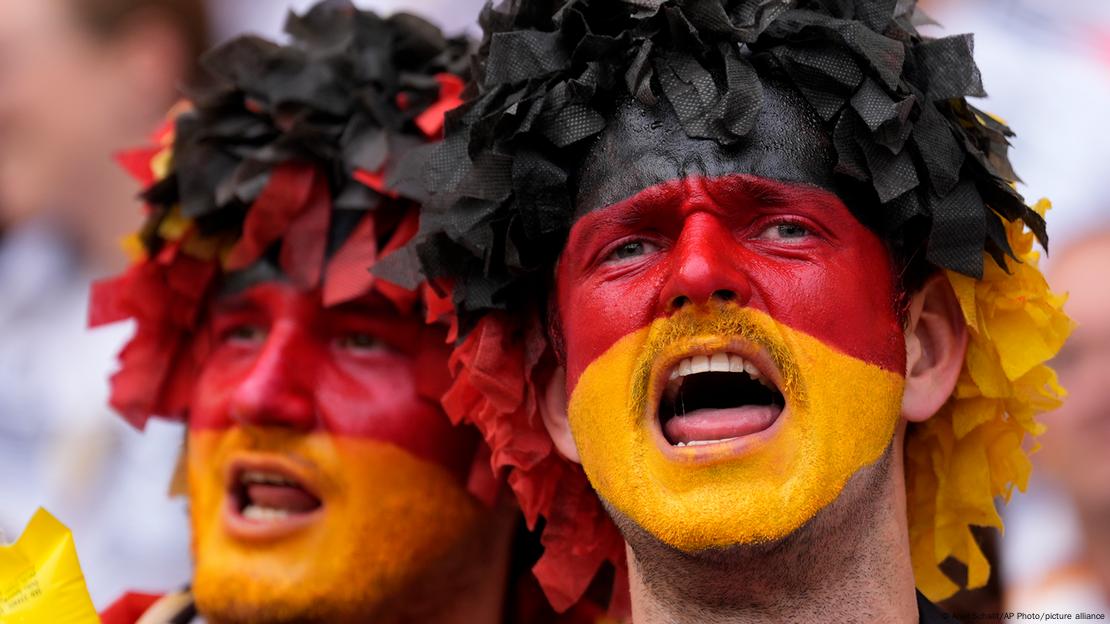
82 79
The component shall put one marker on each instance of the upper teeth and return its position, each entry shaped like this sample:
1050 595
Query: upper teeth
257 512
718 362
258 476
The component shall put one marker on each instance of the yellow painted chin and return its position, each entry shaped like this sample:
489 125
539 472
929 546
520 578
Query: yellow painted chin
841 415
388 519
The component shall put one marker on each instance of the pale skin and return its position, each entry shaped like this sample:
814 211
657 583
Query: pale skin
851 562
69 100
1074 444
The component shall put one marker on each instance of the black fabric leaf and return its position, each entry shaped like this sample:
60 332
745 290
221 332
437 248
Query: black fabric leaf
950 68
938 149
959 230
342 95
516 56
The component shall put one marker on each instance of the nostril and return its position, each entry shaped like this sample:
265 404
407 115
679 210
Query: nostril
724 295
679 302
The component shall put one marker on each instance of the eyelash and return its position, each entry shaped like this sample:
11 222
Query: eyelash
609 255
787 222
243 332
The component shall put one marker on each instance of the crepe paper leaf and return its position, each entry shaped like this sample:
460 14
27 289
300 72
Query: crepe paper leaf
374 181
516 56
743 21
305 243
284 197
891 174
129 608
957 227
950 68
431 120
137 163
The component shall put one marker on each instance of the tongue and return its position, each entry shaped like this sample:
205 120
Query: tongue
720 424
286 497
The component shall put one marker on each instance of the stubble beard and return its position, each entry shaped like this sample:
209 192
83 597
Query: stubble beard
768 579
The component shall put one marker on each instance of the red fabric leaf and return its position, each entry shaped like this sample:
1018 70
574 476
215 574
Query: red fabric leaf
136 162
284 197
106 299
403 299
375 180
431 120
497 369
306 237
482 483
348 272
128 608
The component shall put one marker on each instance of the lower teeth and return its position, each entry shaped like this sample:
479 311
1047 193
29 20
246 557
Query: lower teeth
704 442
254 512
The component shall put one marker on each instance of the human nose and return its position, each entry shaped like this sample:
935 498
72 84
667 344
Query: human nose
704 267
278 390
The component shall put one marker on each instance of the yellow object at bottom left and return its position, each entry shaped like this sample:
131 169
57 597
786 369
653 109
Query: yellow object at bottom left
41 579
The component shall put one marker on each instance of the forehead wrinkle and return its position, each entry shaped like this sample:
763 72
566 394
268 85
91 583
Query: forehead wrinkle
764 192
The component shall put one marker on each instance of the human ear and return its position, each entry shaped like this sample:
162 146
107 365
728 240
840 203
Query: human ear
936 344
553 410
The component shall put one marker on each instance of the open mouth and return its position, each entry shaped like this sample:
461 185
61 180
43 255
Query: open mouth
715 398
267 497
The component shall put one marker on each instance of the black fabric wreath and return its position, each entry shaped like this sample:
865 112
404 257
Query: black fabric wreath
499 190
343 95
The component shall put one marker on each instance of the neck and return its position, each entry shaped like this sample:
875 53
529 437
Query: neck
849 564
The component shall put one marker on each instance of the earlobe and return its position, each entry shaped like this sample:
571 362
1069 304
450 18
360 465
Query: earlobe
553 409
936 345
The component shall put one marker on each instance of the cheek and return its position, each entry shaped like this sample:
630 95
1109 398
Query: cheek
211 398
847 300
594 314
385 404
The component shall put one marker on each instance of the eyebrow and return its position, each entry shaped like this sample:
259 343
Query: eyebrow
232 302
372 304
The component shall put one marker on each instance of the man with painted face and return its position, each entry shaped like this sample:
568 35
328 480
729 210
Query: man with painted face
324 482
758 267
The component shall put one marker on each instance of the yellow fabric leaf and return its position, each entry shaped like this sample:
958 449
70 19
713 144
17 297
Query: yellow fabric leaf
964 287
974 449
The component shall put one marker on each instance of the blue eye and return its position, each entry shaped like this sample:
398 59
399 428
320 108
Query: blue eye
632 249
785 231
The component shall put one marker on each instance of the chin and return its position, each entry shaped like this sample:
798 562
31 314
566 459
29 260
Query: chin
275 543
711 431
224 597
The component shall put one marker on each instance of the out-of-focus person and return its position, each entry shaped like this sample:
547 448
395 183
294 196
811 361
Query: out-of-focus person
79 81
1046 69
1074 453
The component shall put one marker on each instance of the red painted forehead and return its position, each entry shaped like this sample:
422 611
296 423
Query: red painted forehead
625 264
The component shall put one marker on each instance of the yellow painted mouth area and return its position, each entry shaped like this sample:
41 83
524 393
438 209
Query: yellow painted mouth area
840 416
388 518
